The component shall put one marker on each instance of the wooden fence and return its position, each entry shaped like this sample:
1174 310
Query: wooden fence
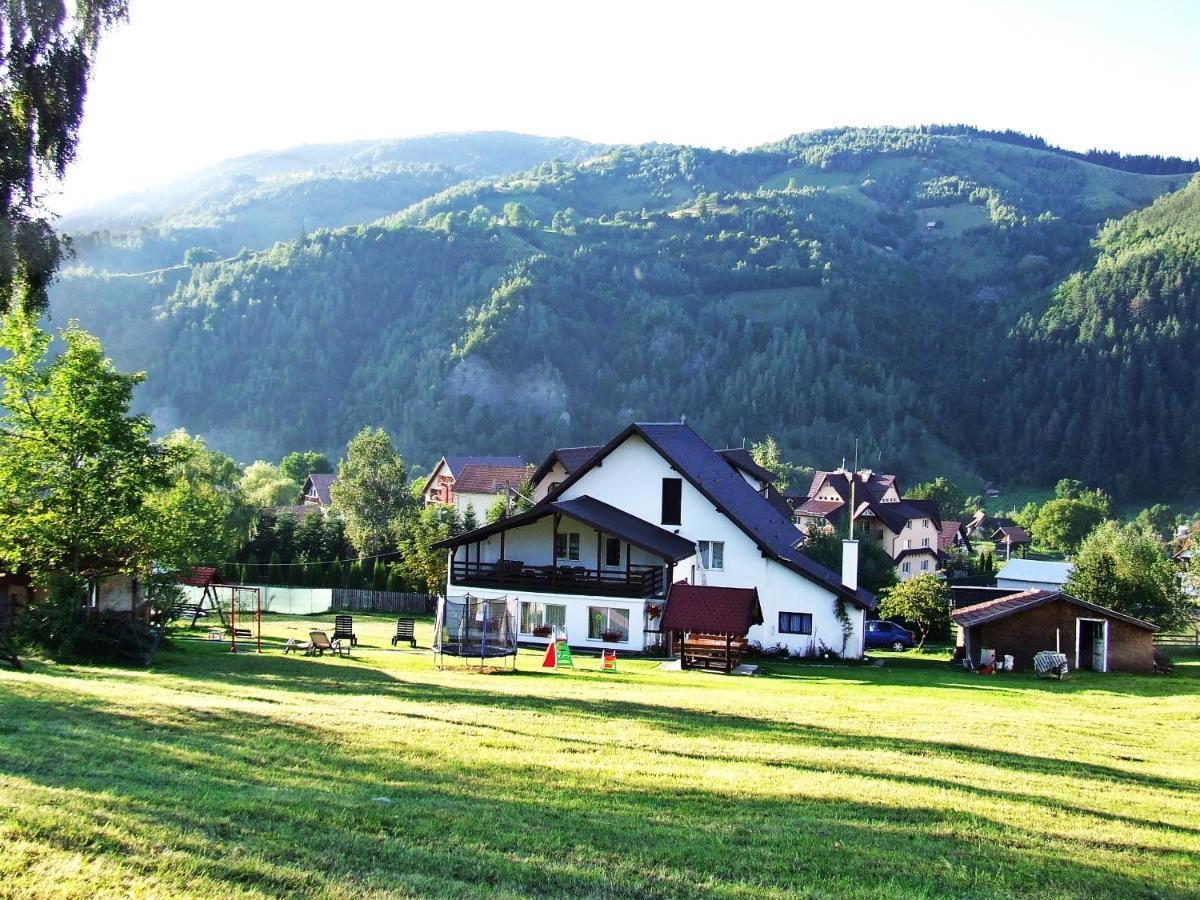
384 601
1187 639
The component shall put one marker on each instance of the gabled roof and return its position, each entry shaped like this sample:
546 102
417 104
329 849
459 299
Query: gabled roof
456 464
991 610
599 515
478 479
1048 571
319 482
950 533
1011 534
711 610
740 458
917 551
201 576
821 508
713 476
570 457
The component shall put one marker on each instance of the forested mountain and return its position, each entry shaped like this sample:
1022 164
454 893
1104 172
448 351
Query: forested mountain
903 286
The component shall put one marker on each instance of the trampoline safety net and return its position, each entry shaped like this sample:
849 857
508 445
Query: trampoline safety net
476 628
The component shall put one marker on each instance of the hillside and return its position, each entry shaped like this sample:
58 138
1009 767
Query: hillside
850 283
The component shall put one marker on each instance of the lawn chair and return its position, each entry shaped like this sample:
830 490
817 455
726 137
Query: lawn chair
343 628
294 644
404 632
1050 663
320 644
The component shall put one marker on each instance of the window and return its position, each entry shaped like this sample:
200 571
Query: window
535 614
609 620
924 565
795 623
672 501
612 551
907 544
567 546
712 554
906 568
925 523
924 542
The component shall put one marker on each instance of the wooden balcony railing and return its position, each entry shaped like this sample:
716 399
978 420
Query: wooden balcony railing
638 581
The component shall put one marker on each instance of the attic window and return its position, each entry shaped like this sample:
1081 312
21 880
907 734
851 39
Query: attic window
672 501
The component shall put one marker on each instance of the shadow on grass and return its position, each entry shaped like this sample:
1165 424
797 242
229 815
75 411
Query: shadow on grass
255 804
332 677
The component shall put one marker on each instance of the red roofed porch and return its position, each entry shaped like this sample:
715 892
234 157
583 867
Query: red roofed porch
711 623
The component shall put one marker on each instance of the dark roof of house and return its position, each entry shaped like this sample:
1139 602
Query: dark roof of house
1012 534
740 458
201 576
917 551
1002 607
570 457
949 534
712 475
478 479
711 610
599 515
818 507
320 483
868 493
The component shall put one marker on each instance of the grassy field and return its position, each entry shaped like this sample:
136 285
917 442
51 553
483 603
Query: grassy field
378 775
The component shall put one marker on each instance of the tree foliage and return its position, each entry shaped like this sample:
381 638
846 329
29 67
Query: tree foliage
1123 568
46 53
371 493
922 602
76 468
1061 525
264 485
299 464
951 499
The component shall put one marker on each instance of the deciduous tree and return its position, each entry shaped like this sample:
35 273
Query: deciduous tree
371 492
922 602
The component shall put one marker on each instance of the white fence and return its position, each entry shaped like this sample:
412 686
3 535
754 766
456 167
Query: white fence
296 601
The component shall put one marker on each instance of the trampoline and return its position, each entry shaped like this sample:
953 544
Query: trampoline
483 628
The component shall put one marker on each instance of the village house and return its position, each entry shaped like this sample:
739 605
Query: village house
1013 538
909 530
474 482
597 558
315 491
1023 574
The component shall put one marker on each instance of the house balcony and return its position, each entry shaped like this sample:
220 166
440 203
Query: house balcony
636 582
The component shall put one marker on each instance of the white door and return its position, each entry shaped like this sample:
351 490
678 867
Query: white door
1100 647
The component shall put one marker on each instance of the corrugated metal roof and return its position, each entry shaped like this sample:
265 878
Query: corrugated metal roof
1040 571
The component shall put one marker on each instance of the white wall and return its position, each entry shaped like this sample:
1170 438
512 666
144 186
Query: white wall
576 615
631 479
299 601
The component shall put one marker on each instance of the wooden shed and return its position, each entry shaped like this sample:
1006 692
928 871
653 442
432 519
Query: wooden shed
1092 637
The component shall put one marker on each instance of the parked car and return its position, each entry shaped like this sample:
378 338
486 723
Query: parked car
888 634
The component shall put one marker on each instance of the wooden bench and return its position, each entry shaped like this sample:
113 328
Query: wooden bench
711 651
404 632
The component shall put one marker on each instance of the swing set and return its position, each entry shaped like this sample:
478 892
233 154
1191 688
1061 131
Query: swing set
240 611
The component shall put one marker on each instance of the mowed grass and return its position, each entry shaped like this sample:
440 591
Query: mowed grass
378 775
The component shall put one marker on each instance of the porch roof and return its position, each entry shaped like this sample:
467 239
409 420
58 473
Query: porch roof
597 514
711 609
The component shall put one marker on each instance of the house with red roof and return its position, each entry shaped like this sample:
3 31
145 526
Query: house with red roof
474 481
657 537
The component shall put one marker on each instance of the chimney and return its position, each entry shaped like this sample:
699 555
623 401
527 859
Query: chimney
850 564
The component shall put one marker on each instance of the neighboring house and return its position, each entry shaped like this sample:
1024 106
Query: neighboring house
316 491
953 536
475 481
1011 538
1022 624
556 467
909 530
1022 574
597 556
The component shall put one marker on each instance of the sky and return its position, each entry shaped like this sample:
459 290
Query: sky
187 83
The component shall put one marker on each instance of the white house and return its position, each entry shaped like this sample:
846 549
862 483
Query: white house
473 481
1026 574
597 555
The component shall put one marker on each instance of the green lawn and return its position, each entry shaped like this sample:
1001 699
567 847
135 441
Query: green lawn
378 775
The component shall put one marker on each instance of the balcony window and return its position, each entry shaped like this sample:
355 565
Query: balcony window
610 621
612 551
535 614
712 554
567 545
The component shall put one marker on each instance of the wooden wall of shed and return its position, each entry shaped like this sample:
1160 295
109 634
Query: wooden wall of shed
1021 635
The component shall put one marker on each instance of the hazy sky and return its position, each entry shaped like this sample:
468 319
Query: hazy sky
190 82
